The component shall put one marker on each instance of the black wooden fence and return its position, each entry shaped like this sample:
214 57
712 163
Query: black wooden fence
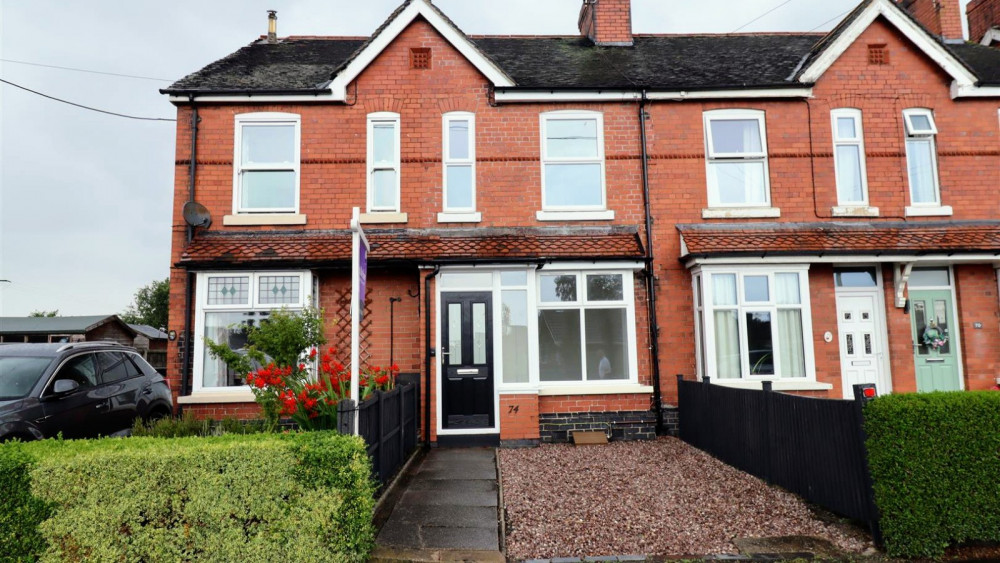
388 423
812 447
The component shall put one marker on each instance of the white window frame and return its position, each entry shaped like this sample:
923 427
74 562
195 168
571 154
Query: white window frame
382 118
264 118
930 137
705 321
583 304
711 156
253 304
447 161
573 115
859 142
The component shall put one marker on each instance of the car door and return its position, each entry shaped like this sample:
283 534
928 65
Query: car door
77 414
122 384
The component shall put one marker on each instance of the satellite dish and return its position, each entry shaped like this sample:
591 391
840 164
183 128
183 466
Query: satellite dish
196 215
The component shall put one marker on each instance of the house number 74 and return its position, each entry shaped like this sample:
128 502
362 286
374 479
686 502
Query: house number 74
513 409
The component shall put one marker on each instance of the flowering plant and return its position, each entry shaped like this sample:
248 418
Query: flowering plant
312 402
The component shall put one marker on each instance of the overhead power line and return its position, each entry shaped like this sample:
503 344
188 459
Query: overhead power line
83 106
837 17
760 16
86 70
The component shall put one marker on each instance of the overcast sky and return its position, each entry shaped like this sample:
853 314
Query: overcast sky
85 198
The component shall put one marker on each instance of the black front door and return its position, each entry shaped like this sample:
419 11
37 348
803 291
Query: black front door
467 361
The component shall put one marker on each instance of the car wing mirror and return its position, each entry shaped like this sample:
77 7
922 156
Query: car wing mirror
65 386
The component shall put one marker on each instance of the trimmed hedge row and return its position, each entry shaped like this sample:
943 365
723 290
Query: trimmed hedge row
935 463
261 497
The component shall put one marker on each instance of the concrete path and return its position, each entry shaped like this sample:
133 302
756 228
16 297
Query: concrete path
449 511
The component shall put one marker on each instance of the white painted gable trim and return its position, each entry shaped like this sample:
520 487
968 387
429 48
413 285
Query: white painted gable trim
378 44
892 13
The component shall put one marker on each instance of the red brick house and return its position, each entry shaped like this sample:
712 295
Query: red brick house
801 208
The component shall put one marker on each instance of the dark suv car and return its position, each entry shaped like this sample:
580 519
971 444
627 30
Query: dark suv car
83 390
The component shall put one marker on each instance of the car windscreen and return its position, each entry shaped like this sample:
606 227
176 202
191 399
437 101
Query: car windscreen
18 375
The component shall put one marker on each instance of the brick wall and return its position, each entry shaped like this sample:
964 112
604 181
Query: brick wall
982 15
976 289
607 22
940 17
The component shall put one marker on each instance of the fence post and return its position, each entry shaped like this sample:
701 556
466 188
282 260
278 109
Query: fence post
767 388
402 421
381 435
861 398
345 416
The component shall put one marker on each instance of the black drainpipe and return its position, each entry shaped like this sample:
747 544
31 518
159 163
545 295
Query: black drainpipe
188 287
654 329
428 352
392 327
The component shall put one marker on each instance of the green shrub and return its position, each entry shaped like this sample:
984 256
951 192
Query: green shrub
260 497
188 425
935 463
20 511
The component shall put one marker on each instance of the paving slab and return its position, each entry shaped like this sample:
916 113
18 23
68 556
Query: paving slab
448 510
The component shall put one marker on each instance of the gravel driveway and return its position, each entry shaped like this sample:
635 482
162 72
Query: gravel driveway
658 498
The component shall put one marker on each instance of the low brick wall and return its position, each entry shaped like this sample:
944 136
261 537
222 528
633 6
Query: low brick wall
671 420
622 425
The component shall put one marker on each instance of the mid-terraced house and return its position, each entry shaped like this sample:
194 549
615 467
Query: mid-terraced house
560 225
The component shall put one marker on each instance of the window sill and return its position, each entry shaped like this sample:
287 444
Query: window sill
777 384
575 215
930 211
854 211
376 217
460 217
249 219
514 389
236 395
740 212
595 389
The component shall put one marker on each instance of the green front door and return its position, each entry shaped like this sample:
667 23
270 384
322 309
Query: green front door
934 347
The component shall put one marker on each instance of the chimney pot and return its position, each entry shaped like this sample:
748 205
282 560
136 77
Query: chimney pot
272 26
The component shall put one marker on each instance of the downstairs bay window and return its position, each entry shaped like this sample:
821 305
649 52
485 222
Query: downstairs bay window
754 323
228 303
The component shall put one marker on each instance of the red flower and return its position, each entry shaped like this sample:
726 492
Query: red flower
312 353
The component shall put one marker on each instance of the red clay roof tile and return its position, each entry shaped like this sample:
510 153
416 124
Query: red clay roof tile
841 238
418 246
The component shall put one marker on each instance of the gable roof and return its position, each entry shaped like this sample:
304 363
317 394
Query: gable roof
148 331
53 325
827 51
323 67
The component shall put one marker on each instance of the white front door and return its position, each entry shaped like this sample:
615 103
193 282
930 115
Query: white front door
859 323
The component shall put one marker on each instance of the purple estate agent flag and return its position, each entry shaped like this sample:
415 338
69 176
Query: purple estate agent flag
362 276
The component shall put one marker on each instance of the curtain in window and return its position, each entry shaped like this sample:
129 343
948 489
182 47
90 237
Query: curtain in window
793 359
920 161
727 345
849 174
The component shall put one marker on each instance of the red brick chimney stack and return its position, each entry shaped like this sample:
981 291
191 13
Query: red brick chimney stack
941 17
607 22
983 15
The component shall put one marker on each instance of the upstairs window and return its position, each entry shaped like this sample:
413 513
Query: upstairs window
921 157
459 162
737 158
267 156
849 157
383 162
572 161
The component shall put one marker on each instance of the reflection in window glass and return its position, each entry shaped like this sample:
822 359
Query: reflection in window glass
558 287
455 334
855 277
478 333
229 328
605 287
268 189
929 277
756 288
112 367
760 343
559 345
514 335
268 144
512 278
607 344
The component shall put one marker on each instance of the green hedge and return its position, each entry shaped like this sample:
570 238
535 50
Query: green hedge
262 497
935 463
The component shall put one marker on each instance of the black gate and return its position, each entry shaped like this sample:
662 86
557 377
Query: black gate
812 447
388 423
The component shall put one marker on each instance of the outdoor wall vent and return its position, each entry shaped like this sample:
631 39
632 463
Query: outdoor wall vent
420 58
878 54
